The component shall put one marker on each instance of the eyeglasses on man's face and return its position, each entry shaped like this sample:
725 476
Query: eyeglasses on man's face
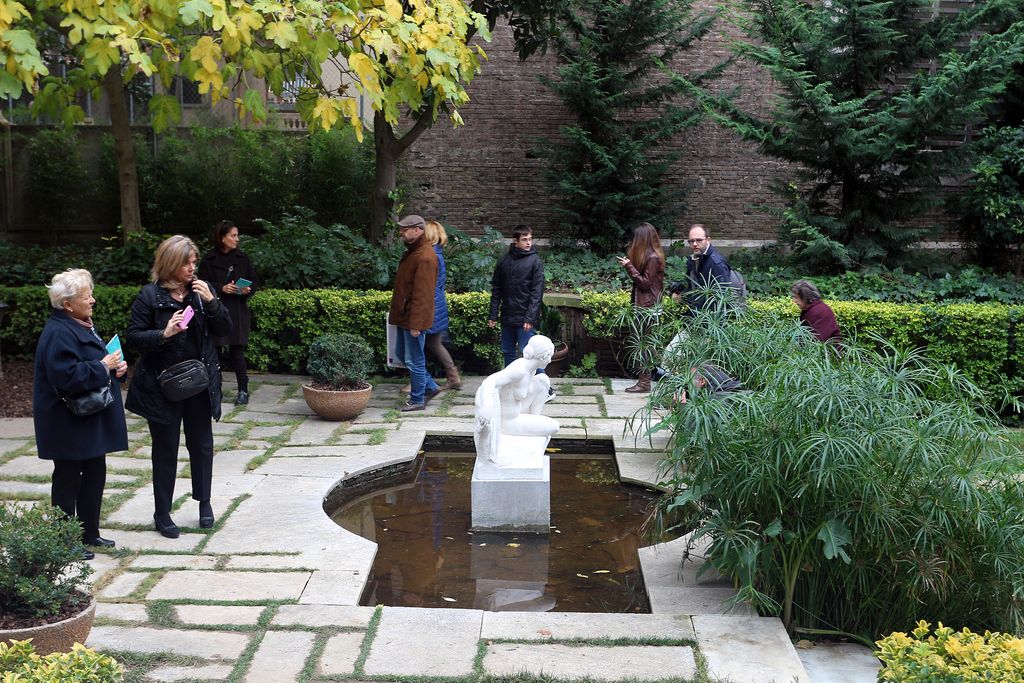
696 240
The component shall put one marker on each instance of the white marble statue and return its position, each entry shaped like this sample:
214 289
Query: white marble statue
509 403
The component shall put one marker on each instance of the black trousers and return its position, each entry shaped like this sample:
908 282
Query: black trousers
77 489
194 412
235 359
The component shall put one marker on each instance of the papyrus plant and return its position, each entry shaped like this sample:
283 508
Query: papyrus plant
854 491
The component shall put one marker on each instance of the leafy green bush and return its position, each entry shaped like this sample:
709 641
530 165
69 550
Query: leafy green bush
341 361
946 656
260 174
848 492
22 665
57 183
40 561
299 253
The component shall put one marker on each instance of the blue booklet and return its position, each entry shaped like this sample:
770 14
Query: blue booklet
114 345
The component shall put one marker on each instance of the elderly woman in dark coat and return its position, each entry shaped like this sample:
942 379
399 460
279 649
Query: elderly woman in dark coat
222 266
158 330
71 358
815 313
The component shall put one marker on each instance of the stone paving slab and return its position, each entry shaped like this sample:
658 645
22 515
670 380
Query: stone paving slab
174 562
233 462
17 428
267 562
140 464
41 490
424 642
644 468
320 616
315 430
251 415
748 649
383 452
662 568
267 432
151 540
206 672
229 586
334 588
335 468
123 585
622 663
340 655
121 611
285 514
839 663
10 445
216 615
26 465
192 643
696 600
570 625
281 656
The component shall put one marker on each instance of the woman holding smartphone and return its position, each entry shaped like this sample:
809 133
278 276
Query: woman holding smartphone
158 329
232 276
645 263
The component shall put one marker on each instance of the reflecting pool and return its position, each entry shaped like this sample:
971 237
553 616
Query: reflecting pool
428 556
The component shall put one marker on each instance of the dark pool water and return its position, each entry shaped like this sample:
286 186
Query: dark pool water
429 557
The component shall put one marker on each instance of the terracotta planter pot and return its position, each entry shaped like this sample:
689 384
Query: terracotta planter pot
559 361
58 636
336 405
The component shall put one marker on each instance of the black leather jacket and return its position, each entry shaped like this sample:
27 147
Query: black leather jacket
151 310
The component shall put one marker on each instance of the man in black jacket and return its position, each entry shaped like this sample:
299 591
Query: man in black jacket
705 269
517 289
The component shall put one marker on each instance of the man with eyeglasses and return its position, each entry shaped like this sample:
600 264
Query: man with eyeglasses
705 269
412 308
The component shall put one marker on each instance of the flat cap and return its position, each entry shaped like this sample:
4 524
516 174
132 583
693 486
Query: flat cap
412 221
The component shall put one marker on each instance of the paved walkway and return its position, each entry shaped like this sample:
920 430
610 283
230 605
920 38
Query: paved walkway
271 593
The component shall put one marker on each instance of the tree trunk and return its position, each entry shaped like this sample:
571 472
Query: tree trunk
388 148
385 176
124 153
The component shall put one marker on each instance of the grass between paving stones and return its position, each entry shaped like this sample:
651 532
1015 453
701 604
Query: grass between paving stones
607 381
316 652
260 459
390 416
137 665
447 400
262 622
377 437
601 406
359 667
161 613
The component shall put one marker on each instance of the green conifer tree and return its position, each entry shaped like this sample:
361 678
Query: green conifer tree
869 95
615 75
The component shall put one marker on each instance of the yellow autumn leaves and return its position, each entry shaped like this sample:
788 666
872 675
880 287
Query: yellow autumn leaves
397 55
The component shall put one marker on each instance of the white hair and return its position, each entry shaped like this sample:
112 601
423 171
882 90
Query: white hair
68 285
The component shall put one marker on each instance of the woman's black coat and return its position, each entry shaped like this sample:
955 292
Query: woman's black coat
151 310
218 269
69 359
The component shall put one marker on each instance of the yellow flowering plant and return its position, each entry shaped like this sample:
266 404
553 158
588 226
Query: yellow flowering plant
948 656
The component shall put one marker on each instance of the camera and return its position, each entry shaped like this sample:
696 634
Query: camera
677 287
659 373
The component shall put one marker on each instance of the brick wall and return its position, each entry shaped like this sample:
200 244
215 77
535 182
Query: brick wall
486 172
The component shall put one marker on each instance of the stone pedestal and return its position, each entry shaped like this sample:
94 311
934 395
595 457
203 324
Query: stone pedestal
511 572
514 497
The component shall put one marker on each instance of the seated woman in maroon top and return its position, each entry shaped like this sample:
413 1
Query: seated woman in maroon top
815 313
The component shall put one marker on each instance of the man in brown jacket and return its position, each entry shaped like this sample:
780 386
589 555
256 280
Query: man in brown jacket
412 308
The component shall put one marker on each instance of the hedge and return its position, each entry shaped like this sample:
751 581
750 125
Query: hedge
980 337
284 323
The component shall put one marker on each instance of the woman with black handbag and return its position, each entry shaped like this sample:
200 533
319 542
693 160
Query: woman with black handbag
76 404
173 322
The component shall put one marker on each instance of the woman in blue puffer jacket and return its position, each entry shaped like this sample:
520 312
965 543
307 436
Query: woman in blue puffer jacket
438 332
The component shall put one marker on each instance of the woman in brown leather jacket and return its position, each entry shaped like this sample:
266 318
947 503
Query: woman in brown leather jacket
645 263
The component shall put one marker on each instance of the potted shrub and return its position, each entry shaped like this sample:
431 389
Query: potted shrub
550 325
43 591
340 364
